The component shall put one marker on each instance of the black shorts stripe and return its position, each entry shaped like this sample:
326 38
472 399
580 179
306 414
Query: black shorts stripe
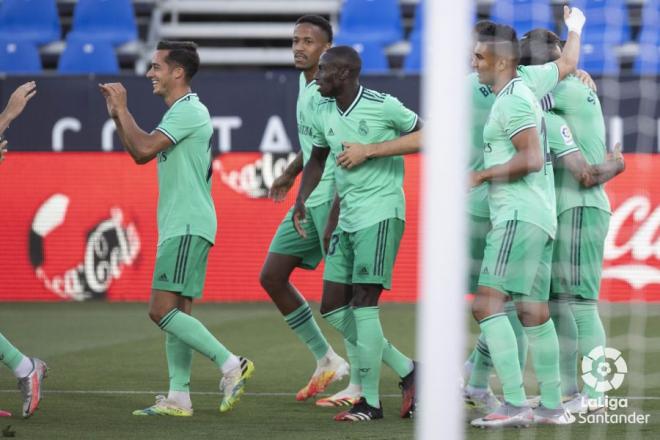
179 256
185 258
379 238
182 260
384 247
576 242
505 248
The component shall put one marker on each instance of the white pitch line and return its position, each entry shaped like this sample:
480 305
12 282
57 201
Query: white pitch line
197 393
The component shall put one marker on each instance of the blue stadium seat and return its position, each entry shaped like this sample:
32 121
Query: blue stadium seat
413 61
374 59
87 55
418 25
648 62
607 21
36 21
371 20
523 15
19 56
113 20
599 59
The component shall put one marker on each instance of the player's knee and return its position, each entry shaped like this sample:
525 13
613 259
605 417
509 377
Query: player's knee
156 314
270 280
533 316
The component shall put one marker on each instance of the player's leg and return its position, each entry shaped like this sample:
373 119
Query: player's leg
488 309
30 373
592 225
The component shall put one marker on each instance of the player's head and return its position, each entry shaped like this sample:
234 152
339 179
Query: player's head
174 63
312 35
496 51
338 67
539 46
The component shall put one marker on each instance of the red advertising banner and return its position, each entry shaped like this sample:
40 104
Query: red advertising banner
79 226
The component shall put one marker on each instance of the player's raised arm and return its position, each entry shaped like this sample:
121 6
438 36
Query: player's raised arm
312 174
528 159
16 104
142 146
570 55
592 175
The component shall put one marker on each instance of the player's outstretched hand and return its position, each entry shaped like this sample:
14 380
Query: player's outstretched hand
586 79
3 149
574 19
280 187
298 218
115 97
19 99
353 155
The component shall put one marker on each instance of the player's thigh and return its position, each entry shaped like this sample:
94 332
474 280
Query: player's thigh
375 251
339 260
578 254
181 265
287 241
514 254
478 230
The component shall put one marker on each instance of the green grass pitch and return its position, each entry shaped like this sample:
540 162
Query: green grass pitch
108 359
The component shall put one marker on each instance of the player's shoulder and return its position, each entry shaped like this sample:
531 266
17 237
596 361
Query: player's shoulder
374 96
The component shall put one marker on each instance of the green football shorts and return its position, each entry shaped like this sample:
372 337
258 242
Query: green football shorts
577 261
478 230
310 250
517 261
365 256
181 265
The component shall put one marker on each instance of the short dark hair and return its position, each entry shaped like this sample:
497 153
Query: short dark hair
181 53
491 32
319 22
348 57
538 47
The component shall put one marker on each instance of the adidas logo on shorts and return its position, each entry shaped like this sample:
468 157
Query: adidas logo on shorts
364 270
162 277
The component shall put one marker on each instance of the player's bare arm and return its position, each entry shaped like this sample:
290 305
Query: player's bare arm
331 225
586 79
281 186
16 104
592 175
570 55
142 146
528 159
312 174
355 154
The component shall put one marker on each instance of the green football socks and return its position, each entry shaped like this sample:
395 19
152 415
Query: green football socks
501 341
567 333
544 347
179 362
194 334
591 333
9 355
370 351
303 324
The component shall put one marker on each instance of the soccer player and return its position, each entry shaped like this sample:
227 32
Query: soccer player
312 35
583 214
518 252
30 372
364 245
181 143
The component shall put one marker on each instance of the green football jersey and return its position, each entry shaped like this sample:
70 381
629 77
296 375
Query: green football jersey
540 80
581 109
531 198
184 172
373 191
308 100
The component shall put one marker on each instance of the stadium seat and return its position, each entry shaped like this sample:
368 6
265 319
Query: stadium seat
523 15
418 25
371 21
413 61
372 53
19 56
113 20
36 21
648 61
86 55
607 21
599 59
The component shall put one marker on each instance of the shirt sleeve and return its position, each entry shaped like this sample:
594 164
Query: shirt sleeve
402 118
541 79
177 124
318 133
516 115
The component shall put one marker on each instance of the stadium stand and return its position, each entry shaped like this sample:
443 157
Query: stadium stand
36 21
113 21
19 57
368 20
648 62
88 55
524 15
373 56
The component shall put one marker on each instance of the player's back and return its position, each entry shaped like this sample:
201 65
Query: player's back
532 197
185 205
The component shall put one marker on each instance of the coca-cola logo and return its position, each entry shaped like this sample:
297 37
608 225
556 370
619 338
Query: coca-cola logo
109 247
633 259
255 178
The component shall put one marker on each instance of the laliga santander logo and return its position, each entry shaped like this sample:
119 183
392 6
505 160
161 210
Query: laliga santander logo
643 245
108 247
598 372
